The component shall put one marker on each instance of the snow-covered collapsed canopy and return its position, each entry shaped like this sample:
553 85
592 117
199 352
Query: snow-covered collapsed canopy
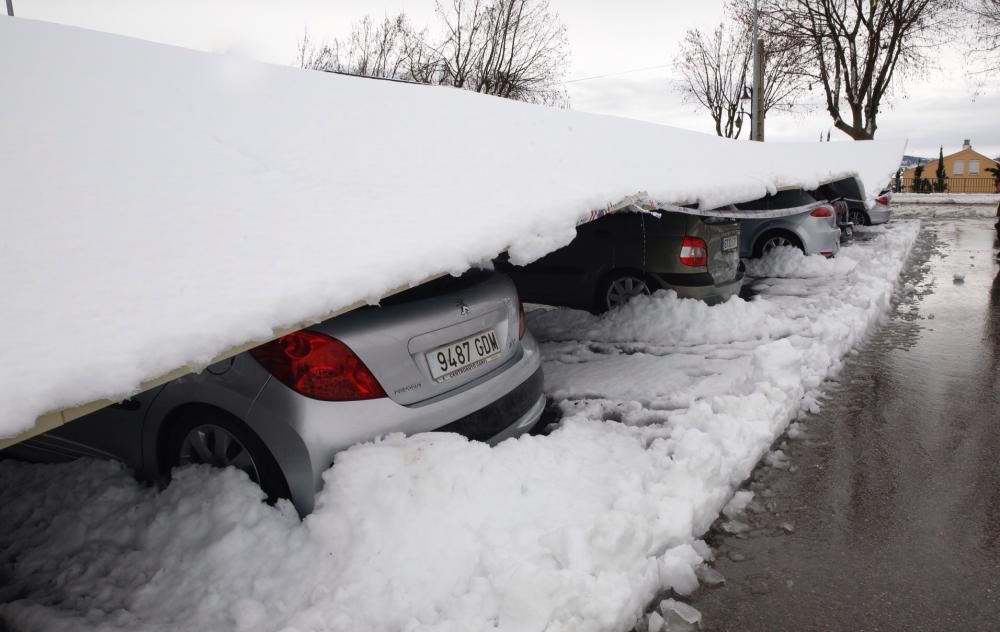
159 206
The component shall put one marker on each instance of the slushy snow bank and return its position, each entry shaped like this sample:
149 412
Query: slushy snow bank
949 211
160 206
792 263
945 198
670 404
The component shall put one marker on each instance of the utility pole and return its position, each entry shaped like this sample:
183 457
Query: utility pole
757 94
10 8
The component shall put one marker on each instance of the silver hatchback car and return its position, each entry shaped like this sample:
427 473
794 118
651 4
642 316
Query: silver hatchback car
452 355
880 212
815 232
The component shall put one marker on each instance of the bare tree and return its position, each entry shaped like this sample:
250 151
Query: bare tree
510 48
855 49
391 49
715 72
313 57
985 17
378 50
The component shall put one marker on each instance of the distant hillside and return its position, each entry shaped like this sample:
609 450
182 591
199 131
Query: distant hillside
912 161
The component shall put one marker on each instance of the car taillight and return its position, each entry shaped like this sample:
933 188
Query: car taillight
883 200
521 325
822 211
694 251
319 367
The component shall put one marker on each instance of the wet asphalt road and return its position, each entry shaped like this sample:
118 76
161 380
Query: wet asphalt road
887 516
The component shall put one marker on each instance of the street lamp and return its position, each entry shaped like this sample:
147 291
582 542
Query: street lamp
745 96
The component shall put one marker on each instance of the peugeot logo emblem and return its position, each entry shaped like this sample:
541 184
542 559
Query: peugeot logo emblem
463 308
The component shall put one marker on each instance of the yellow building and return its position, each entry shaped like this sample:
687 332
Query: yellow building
966 171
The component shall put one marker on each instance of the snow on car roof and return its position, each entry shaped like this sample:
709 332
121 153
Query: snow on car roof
162 207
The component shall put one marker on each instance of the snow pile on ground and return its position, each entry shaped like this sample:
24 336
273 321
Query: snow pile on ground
669 403
667 353
945 198
793 263
159 206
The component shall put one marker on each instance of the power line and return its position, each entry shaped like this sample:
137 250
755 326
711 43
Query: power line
615 74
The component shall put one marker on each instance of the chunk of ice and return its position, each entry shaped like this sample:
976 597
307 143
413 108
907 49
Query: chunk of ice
737 505
655 622
777 459
687 613
709 576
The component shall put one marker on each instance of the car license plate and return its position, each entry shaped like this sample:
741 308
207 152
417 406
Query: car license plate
730 242
462 356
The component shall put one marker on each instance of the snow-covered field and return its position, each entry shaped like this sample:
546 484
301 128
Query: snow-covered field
669 404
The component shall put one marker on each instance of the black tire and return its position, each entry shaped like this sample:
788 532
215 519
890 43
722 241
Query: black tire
628 282
183 424
768 240
860 218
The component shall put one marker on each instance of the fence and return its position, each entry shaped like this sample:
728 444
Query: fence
952 185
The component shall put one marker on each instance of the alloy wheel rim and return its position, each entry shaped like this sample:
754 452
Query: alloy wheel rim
213 445
625 288
776 242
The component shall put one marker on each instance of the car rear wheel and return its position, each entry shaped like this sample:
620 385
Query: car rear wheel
620 288
211 437
859 218
776 240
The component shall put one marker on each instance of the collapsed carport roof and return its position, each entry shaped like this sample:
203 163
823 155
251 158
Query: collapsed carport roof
161 208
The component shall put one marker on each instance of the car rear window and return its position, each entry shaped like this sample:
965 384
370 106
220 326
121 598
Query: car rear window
781 199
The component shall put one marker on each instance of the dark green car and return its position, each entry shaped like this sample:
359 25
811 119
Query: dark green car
622 255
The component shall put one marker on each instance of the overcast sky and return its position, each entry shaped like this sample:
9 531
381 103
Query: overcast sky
605 38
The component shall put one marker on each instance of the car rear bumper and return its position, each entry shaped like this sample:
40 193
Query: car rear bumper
492 423
821 240
702 286
879 214
305 434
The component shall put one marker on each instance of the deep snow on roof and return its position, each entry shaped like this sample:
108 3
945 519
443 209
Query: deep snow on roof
159 206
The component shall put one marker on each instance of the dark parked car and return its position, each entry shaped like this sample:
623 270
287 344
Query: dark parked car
622 255
451 355
859 213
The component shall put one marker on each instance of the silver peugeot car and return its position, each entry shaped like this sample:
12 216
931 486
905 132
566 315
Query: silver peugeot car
452 355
